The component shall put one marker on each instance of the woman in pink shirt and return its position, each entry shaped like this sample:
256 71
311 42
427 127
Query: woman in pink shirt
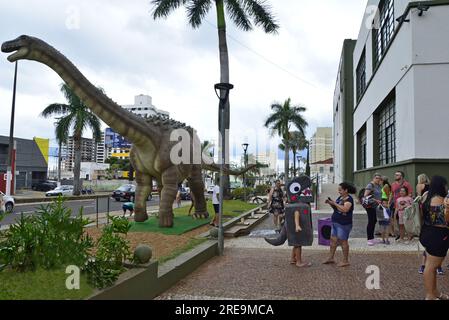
402 202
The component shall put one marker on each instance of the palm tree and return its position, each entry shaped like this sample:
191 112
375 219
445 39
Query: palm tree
74 115
280 121
241 12
296 142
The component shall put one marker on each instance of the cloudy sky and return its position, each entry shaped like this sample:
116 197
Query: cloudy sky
118 46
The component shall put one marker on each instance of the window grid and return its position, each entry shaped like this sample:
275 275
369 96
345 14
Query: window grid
387 134
363 150
384 32
361 76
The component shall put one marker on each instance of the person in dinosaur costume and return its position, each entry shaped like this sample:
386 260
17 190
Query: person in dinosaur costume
153 145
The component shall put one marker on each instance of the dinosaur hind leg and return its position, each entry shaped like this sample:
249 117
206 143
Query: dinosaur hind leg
168 195
143 190
197 186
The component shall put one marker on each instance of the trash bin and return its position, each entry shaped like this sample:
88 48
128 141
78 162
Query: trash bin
324 231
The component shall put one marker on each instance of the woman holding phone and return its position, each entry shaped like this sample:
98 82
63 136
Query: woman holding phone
341 222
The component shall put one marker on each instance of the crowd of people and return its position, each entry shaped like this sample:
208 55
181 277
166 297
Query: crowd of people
386 205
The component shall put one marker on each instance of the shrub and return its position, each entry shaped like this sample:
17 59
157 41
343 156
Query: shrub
51 239
239 193
112 250
261 190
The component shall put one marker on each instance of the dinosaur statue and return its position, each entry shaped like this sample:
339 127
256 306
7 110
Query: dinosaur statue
150 152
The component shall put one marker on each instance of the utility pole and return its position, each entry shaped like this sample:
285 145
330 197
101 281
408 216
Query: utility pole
9 173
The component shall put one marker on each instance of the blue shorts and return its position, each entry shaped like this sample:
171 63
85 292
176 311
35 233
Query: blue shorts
341 232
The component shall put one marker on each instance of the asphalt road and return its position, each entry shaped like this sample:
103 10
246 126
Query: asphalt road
89 207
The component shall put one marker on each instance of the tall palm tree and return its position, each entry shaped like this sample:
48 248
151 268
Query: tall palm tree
280 121
241 12
296 142
74 115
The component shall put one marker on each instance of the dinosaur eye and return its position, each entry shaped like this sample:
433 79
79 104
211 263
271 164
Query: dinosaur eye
295 187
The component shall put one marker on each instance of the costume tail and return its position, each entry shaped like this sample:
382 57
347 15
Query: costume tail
280 240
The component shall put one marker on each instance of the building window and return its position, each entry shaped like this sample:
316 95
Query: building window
362 149
383 31
321 169
387 133
361 76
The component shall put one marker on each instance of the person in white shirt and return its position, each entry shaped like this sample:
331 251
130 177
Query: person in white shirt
216 203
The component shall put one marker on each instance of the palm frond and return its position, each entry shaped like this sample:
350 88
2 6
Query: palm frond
55 109
70 95
63 128
197 10
95 125
238 15
260 11
162 8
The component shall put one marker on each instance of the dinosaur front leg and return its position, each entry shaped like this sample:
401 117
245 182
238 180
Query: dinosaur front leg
197 185
168 195
143 190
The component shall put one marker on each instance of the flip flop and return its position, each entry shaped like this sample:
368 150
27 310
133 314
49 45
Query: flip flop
329 262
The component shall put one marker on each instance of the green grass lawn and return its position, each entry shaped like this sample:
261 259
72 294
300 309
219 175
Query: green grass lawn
232 208
183 223
40 285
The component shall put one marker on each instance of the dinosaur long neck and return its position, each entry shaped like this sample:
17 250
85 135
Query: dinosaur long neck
122 121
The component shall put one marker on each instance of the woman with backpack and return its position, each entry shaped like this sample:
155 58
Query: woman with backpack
435 234
371 199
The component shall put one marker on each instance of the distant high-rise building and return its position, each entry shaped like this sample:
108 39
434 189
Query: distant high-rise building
143 106
321 146
88 149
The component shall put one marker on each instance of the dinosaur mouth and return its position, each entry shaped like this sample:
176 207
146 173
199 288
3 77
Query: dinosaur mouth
20 50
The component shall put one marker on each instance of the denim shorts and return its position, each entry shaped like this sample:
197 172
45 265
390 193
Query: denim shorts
341 232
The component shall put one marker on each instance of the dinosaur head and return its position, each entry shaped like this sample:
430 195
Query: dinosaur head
22 47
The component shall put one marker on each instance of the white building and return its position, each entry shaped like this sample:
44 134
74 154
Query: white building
143 106
270 159
93 171
401 90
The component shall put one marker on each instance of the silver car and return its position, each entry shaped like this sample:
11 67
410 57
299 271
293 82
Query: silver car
60 191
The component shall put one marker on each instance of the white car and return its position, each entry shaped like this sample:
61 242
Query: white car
60 191
9 202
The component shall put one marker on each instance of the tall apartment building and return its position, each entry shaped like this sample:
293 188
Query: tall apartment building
400 93
321 147
270 159
88 149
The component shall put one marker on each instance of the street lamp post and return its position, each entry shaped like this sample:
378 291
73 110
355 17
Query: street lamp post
245 163
9 173
224 89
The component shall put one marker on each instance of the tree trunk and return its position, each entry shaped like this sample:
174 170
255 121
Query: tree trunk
77 165
224 78
294 162
308 164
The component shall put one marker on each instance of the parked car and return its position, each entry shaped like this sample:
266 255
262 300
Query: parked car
126 192
44 185
9 202
60 191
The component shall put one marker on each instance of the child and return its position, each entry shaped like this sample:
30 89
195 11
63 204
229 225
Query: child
384 221
440 271
128 206
402 203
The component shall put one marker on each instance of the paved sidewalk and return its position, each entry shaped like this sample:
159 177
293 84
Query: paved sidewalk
244 273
